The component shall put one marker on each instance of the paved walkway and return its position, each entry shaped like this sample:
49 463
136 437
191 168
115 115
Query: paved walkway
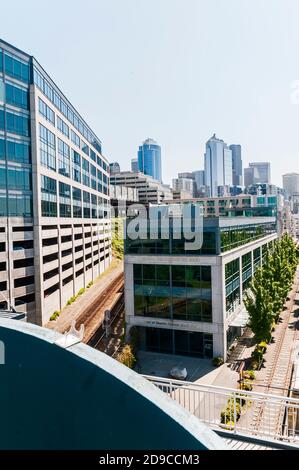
75 310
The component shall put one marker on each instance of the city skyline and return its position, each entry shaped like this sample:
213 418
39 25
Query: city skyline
182 109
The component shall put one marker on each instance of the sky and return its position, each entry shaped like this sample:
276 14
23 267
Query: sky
177 71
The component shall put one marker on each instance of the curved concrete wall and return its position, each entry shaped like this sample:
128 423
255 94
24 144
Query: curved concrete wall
52 398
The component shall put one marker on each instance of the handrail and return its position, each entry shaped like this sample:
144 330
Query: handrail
197 386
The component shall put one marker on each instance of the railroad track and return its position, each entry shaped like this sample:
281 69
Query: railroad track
266 418
100 335
90 317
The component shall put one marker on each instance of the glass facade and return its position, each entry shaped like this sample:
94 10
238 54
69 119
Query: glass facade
175 245
175 292
232 285
186 343
235 236
149 159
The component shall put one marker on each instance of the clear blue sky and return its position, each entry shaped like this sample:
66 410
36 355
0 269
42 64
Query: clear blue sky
173 70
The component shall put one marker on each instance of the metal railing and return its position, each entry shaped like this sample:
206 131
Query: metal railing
236 410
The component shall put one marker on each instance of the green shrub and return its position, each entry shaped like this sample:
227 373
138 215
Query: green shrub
217 361
55 315
249 374
90 284
247 385
81 292
127 357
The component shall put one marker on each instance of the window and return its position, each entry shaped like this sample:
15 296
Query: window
50 241
23 229
50 274
77 203
84 148
17 123
51 290
232 285
22 245
19 178
63 127
46 111
3 266
16 68
76 166
42 83
24 281
85 172
23 263
47 148
75 138
17 151
93 177
17 96
50 258
65 208
63 158
48 197
19 205
86 205
25 299
178 292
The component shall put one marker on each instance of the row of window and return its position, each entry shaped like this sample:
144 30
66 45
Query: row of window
15 67
14 122
70 163
17 178
63 107
14 95
16 205
177 292
15 150
68 279
237 236
73 202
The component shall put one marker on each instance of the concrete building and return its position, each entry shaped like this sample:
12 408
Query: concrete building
55 225
191 302
291 184
114 167
134 165
184 184
237 164
121 198
218 166
150 191
258 172
149 159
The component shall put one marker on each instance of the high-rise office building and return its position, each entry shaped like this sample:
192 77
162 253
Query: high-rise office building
184 184
149 159
248 176
134 165
54 205
291 184
237 164
258 172
114 168
218 165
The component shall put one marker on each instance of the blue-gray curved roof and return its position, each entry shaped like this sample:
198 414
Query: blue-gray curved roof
79 398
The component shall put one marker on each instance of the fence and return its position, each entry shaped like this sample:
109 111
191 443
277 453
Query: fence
252 413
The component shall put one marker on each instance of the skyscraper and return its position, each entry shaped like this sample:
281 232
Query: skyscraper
114 168
237 164
149 159
291 184
134 165
54 202
218 165
261 172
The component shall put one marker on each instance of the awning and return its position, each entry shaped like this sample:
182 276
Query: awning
241 319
